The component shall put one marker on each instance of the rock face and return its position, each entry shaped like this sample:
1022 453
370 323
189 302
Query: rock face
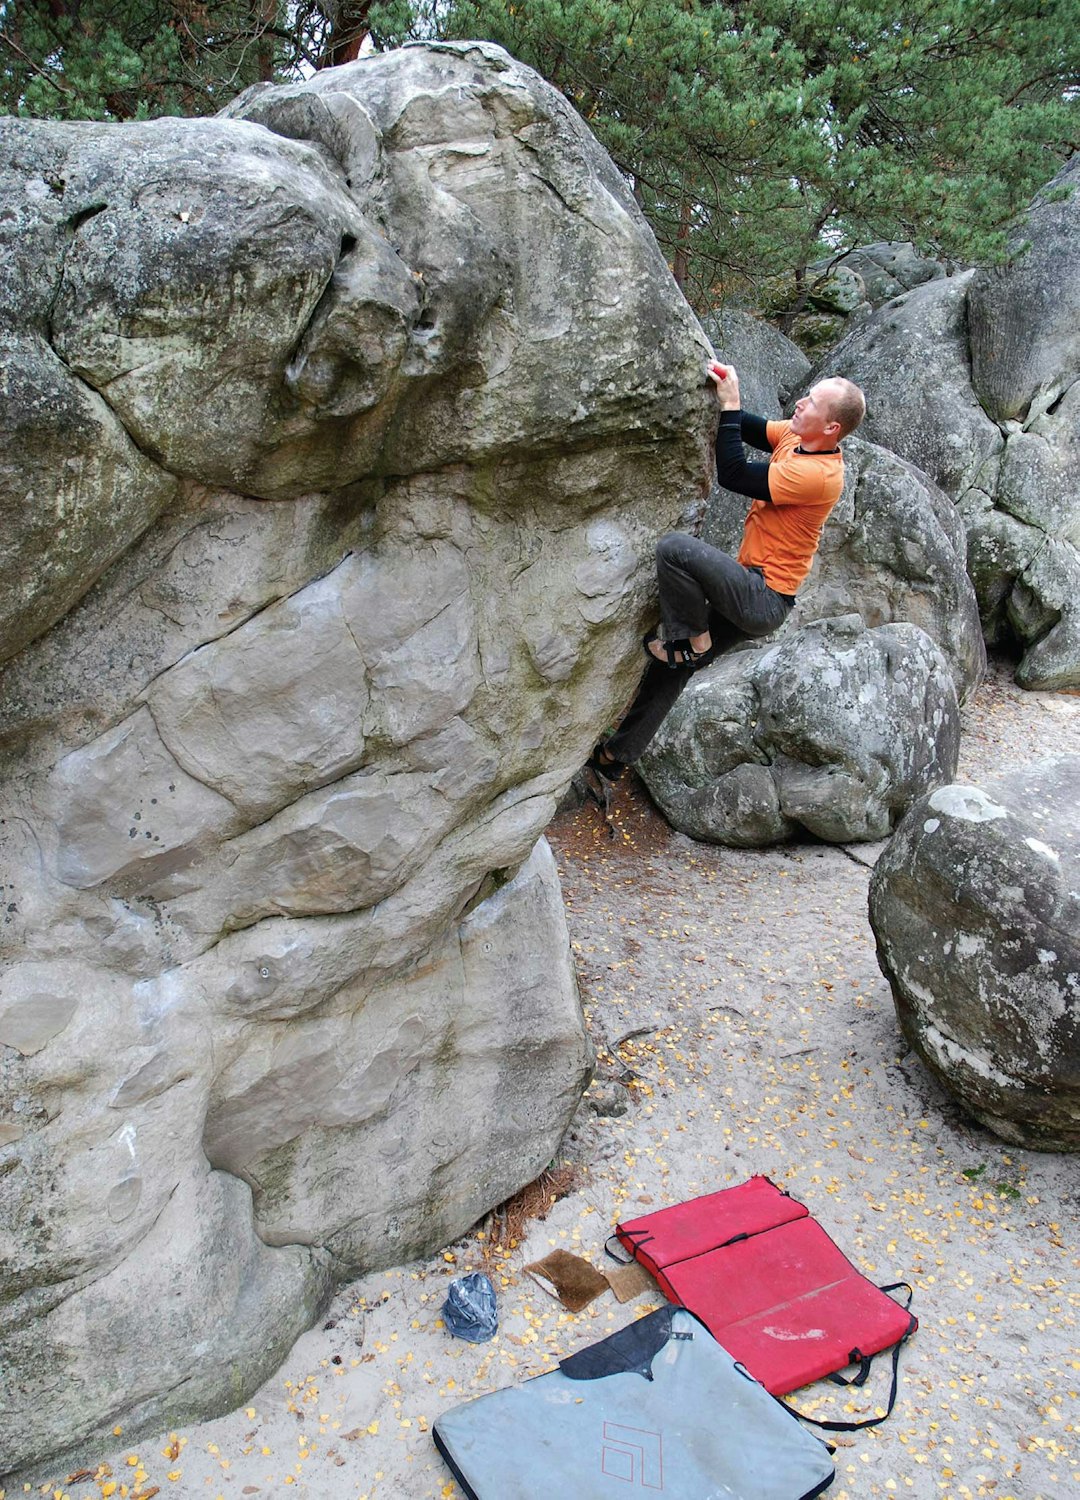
1025 314
772 370
833 732
384 394
974 905
976 379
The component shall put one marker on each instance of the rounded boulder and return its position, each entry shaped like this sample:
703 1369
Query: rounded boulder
832 732
976 912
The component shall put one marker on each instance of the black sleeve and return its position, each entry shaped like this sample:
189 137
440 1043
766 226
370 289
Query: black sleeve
755 432
732 469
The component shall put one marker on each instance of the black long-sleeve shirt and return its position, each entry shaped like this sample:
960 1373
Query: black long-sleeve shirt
733 470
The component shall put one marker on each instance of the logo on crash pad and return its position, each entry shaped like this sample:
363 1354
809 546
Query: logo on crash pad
633 1455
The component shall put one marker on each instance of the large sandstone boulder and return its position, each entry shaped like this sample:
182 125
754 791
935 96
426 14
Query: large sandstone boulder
976 379
833 732
975 908
1025 313
399 394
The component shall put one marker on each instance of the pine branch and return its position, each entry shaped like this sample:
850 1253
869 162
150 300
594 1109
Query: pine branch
33 66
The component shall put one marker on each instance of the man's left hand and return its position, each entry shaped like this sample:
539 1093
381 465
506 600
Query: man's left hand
726 382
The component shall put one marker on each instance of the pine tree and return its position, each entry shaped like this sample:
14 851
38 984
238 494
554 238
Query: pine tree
758 136
136 59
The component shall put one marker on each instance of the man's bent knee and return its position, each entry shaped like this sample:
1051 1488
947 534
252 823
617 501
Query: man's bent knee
672 547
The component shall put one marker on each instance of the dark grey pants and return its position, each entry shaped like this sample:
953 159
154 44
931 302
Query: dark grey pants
701 588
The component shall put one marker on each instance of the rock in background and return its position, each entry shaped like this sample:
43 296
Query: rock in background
350 420
974 905
836 294
888 267
832 732
893 551
976 379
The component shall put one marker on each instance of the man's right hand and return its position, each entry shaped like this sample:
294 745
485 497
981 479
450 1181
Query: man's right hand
726 382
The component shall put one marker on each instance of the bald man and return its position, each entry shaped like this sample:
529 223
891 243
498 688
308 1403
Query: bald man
708 599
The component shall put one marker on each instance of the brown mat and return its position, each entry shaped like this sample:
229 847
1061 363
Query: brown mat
570 1278
628 1282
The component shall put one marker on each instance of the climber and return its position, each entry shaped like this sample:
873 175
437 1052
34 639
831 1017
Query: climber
709 599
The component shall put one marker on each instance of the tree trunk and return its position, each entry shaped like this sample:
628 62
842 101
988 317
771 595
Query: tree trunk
347 33
264 53
681 264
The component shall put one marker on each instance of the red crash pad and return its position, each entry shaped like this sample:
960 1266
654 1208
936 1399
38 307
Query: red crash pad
768 1283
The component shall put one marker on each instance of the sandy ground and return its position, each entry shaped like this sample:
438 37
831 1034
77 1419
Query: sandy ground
742 1025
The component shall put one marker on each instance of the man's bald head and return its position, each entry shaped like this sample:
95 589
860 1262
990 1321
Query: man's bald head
846 403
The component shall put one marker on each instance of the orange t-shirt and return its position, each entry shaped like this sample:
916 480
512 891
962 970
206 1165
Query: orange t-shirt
781 535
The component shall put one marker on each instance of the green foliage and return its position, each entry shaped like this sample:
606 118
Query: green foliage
758 136
136 59
118 59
